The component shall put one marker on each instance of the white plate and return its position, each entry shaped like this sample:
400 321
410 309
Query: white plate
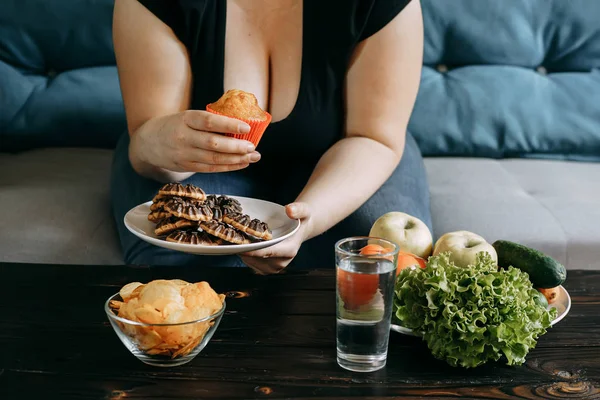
136 220
562 307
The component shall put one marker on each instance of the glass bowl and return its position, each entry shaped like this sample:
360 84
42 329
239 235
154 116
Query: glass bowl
164 345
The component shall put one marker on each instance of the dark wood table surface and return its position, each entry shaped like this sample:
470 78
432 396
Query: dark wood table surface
276 340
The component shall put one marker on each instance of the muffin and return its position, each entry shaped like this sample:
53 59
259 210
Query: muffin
243 106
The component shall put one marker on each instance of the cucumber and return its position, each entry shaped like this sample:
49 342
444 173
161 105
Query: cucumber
544 271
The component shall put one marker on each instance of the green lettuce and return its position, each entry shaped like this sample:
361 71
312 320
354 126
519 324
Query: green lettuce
469 316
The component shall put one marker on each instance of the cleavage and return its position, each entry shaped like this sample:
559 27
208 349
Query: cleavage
263 53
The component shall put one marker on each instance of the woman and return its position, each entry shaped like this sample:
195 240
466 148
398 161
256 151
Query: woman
338 77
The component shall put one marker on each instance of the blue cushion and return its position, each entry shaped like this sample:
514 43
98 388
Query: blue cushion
58 80
510 78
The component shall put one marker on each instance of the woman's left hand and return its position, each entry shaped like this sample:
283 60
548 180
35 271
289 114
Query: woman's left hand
272 260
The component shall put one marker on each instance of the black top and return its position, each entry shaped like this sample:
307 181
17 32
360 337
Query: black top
332 29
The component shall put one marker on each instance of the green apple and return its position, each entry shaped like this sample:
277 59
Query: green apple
463 246
408 232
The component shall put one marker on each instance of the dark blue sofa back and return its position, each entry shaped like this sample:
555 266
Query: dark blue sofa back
510 78
58 80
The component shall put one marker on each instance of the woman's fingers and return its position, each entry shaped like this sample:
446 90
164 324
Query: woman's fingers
200 151
213 168
217 142
298 210
212 157
209 122
273 266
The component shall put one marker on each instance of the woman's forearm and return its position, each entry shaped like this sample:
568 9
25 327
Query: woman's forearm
347 175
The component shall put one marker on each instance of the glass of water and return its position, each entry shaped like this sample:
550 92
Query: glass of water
365 275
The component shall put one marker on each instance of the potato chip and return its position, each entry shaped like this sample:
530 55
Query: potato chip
168 346
180 282
136 292
197 313
126 290
148 315
160 292
201 328
187 348
178 334
115 304
175 313
147 338
167 302
201 295
158 352
127 311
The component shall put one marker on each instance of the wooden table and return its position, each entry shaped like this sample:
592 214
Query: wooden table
277 340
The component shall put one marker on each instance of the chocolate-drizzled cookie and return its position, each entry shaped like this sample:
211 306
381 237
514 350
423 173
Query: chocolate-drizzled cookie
217 213
158 215
226 199
223 231
193 237
171 224
259 229
249 225
221 205
158 204
188 191
159 197
237 220
211 200
184 208
229 204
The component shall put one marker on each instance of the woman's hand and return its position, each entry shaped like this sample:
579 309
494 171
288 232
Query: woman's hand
274 259
190 142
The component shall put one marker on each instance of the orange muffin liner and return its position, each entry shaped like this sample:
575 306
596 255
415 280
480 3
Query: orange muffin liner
257 128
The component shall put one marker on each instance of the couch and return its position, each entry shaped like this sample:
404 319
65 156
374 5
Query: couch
507 118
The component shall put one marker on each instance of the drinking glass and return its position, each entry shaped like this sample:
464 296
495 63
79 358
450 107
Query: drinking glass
365 275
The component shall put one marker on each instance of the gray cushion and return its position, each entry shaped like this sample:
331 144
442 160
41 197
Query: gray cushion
550 205
54 205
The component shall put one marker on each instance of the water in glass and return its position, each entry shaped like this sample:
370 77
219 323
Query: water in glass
364 312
